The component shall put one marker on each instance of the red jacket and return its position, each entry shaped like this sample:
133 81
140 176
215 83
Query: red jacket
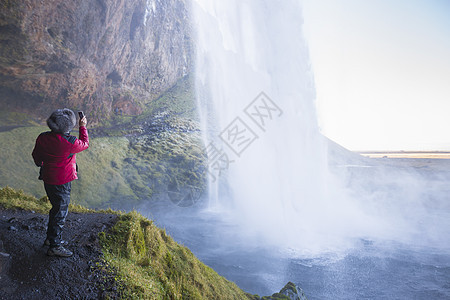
55 153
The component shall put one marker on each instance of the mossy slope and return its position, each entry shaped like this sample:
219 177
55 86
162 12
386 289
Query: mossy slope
148 262
154 266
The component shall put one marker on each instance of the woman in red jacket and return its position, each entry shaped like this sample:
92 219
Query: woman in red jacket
55 152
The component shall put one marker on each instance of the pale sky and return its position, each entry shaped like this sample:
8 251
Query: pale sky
382 72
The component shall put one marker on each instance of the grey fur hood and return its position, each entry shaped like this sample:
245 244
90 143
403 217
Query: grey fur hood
62 120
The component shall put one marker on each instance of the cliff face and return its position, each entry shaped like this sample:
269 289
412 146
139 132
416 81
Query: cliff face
100 56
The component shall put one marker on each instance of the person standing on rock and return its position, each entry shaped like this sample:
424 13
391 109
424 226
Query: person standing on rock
55 152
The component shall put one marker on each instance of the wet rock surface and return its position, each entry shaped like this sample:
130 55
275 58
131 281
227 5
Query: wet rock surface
26 272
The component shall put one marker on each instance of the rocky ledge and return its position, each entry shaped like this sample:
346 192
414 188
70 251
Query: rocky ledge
27 273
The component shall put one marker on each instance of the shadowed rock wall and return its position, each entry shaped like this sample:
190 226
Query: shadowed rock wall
100 56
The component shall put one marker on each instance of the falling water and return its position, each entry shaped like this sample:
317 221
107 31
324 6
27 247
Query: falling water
277 185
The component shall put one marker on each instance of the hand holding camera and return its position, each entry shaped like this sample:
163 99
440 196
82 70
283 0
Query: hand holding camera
83 121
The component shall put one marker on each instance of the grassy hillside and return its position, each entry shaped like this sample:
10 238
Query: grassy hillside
130 158
148 262
17 167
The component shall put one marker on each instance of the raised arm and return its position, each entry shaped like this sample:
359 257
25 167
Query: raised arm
82 143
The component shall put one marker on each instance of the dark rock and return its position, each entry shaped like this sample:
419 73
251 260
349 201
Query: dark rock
92 238
289 292
293 292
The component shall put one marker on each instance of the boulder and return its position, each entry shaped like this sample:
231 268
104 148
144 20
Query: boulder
293 292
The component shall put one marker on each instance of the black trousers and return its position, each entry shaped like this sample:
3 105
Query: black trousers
59 196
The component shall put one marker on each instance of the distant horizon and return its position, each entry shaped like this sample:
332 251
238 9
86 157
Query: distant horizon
375 149
406 154
400 151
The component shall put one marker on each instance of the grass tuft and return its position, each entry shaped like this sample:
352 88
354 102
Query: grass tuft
11 198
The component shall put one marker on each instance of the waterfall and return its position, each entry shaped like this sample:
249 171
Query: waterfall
268 169
268 161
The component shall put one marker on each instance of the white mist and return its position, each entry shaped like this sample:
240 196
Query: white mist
279 188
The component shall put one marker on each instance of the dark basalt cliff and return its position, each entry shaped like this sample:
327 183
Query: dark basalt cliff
101 56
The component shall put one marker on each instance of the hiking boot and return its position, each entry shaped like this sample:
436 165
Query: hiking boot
59 251
47 242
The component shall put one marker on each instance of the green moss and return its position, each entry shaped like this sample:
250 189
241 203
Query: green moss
153 266
289 287
253 297
179 100
276 296
17 199
100 176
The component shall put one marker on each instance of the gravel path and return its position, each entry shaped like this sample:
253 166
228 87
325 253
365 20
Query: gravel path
26 272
